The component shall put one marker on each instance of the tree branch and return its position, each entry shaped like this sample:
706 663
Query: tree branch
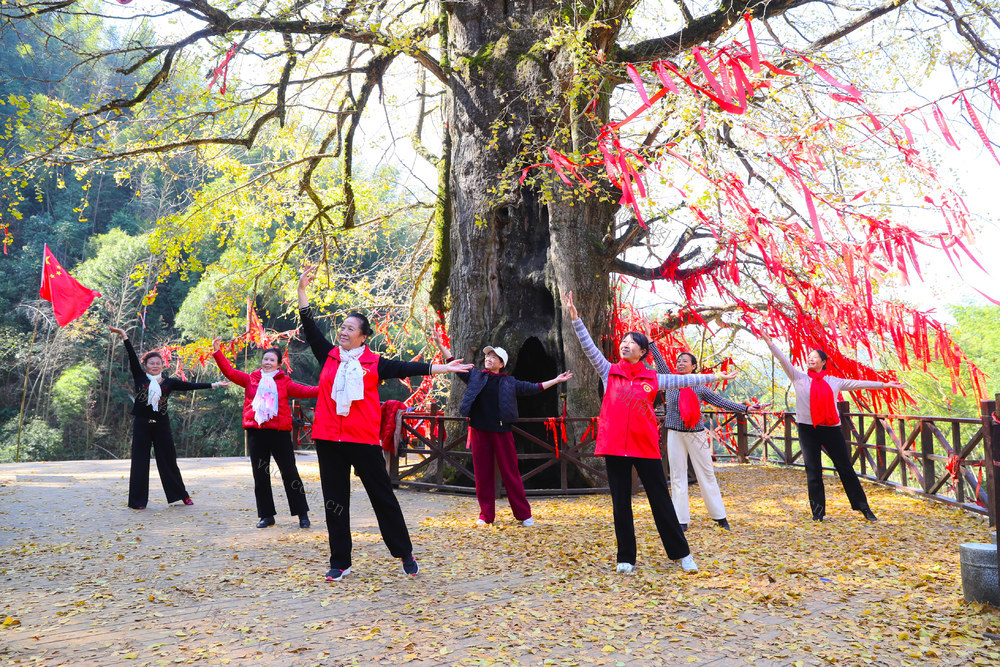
703 29
670 269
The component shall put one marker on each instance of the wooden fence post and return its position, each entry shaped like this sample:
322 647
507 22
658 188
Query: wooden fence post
880 449
926 452
843 407
742 441
436 438
991 458
786 423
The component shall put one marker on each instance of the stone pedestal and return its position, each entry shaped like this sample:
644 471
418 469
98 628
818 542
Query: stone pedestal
979 573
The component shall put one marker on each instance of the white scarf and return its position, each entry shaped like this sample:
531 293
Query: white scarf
154 392
349 385
265 401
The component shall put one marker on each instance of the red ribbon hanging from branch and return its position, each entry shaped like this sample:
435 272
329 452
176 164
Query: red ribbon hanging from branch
223 69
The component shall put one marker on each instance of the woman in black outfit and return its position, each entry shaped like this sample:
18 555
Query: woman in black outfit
346 431
152 427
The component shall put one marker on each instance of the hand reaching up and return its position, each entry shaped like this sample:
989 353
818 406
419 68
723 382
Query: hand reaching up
570 308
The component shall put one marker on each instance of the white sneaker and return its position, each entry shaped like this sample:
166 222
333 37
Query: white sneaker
625 568
530 521
480 522
687 564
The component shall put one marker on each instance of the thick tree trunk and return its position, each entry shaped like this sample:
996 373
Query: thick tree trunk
513 255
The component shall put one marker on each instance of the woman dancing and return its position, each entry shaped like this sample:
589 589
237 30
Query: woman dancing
627 437
346 431
686 436
267 418
151 426
819 427
490 403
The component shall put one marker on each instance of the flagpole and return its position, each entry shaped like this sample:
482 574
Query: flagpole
24 392
31 349
246 354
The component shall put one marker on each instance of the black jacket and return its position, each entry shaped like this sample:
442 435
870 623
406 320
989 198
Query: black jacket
509 388
141 407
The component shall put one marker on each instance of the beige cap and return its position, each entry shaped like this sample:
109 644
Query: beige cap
499 351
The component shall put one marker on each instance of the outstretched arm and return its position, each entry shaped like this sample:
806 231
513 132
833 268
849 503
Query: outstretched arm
710 397
296 390
525 388
183 385
439 344
393 368
562 377
306 277
239 377
854 385
669 381
602 365
453 366
658 360
446 354
791 371
133 360
318 343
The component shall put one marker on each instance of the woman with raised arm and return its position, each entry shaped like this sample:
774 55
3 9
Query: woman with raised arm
346 431
267 418
687 437
819 427
627 437
490 403
151 426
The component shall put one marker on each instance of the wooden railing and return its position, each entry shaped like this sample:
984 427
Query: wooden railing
946 459
434 449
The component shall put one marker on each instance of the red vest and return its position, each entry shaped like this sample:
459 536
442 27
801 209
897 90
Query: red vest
362 423
627 426
249 381
286 388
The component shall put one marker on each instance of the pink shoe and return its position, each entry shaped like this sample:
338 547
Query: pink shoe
188 501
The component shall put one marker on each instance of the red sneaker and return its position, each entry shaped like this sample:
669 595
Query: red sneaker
188 501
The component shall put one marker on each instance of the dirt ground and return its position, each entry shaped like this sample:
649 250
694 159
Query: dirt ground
85 580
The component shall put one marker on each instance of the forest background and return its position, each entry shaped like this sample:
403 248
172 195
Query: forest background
124 230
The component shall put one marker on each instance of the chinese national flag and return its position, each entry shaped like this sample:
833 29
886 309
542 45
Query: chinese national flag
255 329
69 298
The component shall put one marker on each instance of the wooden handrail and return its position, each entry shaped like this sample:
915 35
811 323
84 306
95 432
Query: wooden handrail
907 452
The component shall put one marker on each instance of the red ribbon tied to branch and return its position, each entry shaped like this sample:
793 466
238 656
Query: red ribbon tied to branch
223 68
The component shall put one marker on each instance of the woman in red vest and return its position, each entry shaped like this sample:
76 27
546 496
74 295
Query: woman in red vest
628 437
267 418
346 431
819 427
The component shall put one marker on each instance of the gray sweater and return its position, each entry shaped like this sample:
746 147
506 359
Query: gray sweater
603 366
672 419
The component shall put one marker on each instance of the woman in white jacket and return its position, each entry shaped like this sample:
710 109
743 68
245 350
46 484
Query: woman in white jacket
819 427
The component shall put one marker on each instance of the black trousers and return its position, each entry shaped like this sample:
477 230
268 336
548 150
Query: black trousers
814 439
263 443
147 433
652 477
335 462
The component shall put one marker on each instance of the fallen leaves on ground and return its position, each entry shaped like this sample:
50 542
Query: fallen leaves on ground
175 586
